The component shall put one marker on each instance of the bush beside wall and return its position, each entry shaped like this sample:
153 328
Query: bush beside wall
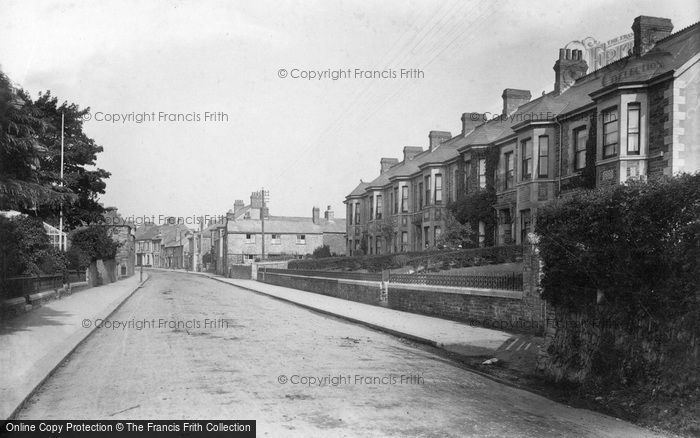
446 258
621 269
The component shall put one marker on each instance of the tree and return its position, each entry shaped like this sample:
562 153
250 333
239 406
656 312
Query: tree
476 207
456 234
25 248
21 185
80 153
90 244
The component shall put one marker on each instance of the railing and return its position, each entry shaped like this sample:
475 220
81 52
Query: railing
74 277
507 281
512 281
14 287
366 276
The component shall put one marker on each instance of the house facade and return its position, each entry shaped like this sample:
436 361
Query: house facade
164 246
240 239
632 118
125 257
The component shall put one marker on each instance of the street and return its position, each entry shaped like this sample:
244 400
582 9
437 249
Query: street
187 347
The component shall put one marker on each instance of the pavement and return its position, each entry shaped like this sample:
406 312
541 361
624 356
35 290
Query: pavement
456 337
196 348
34 344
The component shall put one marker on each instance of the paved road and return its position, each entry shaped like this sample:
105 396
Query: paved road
233 372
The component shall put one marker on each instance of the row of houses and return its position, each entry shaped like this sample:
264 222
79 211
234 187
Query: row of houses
634 116
171 245
237 238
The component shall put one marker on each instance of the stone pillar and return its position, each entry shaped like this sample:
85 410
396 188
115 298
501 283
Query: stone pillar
532 303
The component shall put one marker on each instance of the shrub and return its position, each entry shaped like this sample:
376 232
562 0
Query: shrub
322 251
93 243
376 263
637 243
637 246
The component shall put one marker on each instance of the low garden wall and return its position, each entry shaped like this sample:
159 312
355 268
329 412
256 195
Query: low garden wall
353 290
513 310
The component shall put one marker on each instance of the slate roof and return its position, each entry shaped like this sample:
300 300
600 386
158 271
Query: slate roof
287 225
147 232
668 54
359 190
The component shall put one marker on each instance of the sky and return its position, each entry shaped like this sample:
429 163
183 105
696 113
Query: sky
242 123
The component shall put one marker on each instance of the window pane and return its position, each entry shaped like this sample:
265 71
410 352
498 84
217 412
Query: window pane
581 139
633 143
580 159
543 164
633 119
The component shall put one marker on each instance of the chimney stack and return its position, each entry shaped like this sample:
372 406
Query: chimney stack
410 152
316 215
238 205
437 137
386 163
569 67
470 121
513 98
328 214
256 200
649 30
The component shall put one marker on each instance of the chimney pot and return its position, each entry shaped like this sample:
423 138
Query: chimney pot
568 68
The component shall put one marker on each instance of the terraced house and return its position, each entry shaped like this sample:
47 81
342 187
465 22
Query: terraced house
634 117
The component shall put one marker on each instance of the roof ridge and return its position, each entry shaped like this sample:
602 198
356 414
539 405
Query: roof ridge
674 34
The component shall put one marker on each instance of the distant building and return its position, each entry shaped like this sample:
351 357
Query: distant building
240 240
148 238
164 246
124 235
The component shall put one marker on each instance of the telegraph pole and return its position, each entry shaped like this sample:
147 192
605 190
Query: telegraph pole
62 244
263 194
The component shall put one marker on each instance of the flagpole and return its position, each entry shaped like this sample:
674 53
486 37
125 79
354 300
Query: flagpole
62 243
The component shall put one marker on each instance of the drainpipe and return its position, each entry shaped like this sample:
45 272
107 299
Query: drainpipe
561 141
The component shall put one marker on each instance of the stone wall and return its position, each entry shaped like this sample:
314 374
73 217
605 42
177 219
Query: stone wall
240 271
367 292
510 310
659 129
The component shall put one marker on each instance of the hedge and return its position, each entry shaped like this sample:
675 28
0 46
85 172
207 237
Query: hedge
637 244
621 270
441 258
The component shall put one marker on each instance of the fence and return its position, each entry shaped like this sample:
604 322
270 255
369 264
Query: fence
506 281
14 287
509 281
74 277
